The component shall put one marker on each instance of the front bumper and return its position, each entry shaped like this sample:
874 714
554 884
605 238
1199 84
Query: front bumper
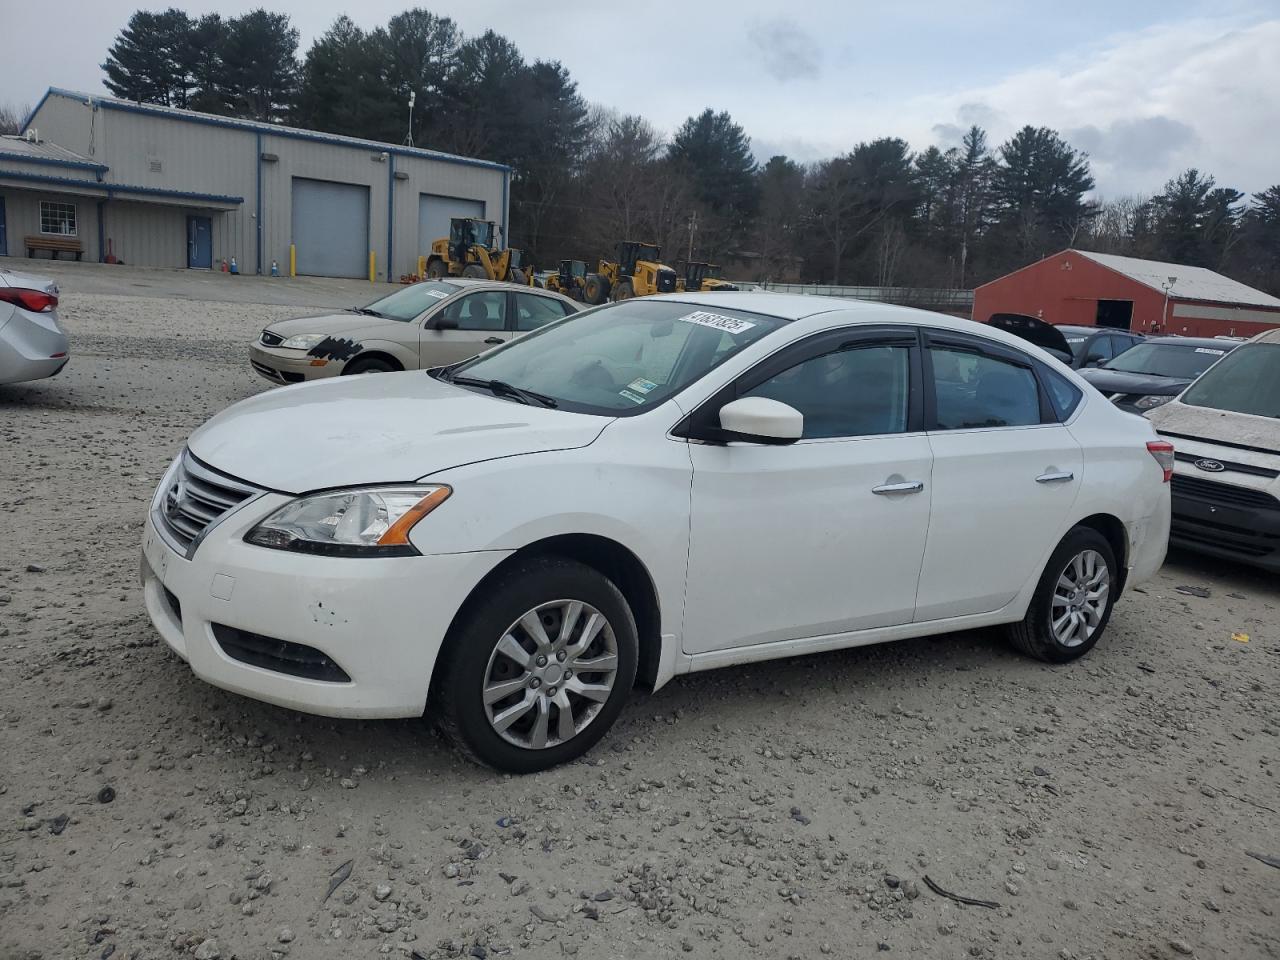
381 621
290 366
1218 523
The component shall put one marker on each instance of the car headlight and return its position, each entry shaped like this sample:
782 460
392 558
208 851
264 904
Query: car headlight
367 522
1147 403
303 341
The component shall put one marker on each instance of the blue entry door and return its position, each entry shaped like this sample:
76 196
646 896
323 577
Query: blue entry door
199 243
4 240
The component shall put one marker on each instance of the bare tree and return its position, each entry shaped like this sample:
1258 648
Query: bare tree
11 117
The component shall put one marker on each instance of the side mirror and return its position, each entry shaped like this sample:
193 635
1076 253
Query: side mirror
443 322
761 420
1094 360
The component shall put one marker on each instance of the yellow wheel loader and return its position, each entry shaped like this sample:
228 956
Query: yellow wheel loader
700 277
569 279
470 251
637 272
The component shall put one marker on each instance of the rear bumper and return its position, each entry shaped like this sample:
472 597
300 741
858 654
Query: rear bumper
1236 532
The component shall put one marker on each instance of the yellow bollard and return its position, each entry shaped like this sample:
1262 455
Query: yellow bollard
422 268
293 260
372 266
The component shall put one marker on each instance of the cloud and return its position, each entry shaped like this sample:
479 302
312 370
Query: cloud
1143 144
1144 105
787 52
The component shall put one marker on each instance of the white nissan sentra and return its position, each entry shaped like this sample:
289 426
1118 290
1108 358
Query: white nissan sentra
657 486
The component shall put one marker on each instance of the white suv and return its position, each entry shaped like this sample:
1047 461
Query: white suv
648 488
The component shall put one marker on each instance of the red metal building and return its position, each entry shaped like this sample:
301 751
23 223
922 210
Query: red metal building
1146 296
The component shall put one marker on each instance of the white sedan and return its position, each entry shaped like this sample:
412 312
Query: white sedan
646 489
32 343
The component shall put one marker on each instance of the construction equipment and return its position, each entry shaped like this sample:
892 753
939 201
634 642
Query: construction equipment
569 279
637 272
470 251
701 277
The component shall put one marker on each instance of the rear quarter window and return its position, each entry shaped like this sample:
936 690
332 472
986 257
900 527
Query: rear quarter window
1064 395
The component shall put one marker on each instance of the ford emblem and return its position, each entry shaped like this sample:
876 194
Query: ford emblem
1212 466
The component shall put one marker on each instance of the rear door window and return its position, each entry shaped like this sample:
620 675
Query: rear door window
974 390
532 311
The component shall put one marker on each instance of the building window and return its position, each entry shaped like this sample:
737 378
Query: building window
58 218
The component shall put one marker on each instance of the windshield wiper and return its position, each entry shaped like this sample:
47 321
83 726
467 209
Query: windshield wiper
501 388
367 311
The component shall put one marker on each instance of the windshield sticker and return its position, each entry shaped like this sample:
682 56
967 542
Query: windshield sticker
1075 339
717 321
1216 353
438 294
642 385
634 398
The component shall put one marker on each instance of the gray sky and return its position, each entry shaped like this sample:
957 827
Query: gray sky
1147 87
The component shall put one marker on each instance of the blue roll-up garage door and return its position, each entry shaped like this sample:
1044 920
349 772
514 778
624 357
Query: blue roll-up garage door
331 228
435 212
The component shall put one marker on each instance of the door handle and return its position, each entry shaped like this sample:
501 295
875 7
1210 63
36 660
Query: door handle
494 340
906 486
1060 477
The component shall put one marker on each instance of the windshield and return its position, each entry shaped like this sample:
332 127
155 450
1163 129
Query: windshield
1076 343
404 305
1183 361
1246 381
623 358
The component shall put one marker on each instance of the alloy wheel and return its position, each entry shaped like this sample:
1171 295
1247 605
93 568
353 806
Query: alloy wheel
550 674
1080 598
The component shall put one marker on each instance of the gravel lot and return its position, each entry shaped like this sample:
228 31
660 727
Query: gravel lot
790 809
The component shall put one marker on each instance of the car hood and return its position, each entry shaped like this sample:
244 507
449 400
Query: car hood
385 428
1255 439
1145 384
334 324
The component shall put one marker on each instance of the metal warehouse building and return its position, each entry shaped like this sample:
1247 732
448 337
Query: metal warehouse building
1146 296
158 186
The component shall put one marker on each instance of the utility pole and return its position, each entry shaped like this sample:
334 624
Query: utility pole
1164 313
693 229
408 137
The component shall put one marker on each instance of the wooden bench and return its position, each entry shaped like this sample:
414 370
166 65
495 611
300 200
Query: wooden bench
54 245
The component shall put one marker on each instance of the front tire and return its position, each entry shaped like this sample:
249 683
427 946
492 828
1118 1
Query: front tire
475 271
437 269
536 673
595 289
368 365
623 291
1072 603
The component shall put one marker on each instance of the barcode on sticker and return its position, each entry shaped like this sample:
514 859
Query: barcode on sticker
717 321
1216 353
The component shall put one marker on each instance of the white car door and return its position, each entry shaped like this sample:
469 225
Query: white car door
1005 475
823 535
465 326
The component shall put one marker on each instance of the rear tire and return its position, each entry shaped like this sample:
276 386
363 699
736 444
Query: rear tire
489 655
516 275
437 269
595 289
1076 593
475 271
623 291
368 365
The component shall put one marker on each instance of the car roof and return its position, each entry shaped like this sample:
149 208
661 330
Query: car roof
1088 330
1197 342
1268 336
476 283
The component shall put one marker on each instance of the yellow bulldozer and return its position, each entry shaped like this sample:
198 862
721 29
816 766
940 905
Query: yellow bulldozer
637 272
470 251
701 277
569 280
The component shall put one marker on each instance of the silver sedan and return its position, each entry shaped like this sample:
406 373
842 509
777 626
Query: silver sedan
32 343
427 324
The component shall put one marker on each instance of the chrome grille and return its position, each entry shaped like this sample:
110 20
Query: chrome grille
195 498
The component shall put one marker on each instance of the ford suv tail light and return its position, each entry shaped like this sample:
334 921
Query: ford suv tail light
1162 450
37 301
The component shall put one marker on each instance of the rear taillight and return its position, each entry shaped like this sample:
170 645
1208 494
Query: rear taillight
37 301
1162 450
